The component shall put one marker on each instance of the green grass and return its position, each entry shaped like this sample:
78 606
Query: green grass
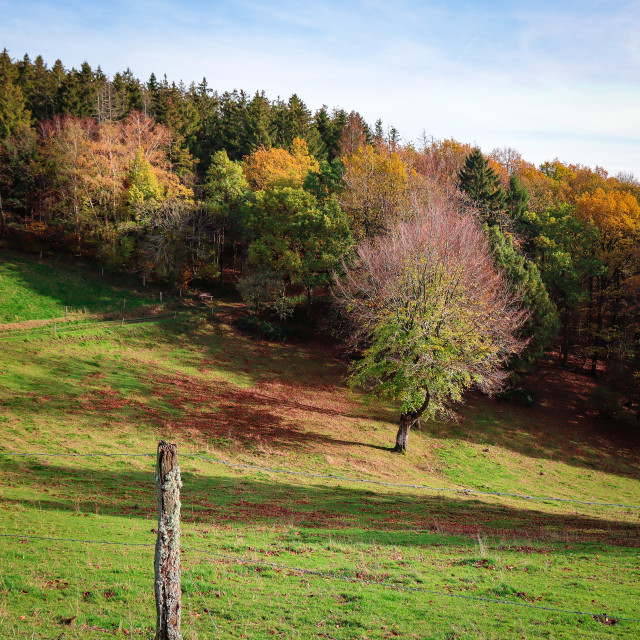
220 394
34 289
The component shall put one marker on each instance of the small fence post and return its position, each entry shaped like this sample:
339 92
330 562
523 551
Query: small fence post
161 296
144 281
124 303
167 558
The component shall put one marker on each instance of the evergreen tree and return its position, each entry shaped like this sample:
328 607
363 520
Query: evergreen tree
517 198
327 181
259 125
524 278
231 125
8 71
328 129
77 93
203 143
13 112
225 186
481 184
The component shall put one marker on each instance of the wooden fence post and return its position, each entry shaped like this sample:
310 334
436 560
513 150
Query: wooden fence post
167 560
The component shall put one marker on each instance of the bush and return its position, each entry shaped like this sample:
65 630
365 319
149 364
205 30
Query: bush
262 328
265 291
520 396
606 401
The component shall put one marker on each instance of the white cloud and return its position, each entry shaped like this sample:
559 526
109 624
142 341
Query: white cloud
552 79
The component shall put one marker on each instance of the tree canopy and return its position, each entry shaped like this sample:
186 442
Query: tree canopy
430 313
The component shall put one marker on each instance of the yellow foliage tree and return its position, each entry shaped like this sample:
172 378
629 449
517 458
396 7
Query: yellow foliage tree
616 215
266 168
376 190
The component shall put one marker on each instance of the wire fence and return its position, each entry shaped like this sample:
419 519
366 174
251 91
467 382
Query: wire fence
353 579
55 328
253 467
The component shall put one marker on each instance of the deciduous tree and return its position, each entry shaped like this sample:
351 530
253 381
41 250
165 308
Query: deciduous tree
431 313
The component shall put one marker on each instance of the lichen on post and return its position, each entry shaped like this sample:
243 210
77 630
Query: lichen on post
167 558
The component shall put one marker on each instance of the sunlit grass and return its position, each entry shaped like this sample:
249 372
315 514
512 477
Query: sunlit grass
220 394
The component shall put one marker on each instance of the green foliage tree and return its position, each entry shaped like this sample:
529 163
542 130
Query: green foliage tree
225 191
17 147
482 186
565 251
327 181
14 114
517 198
523 276
225 186
143 182
479 182
296 236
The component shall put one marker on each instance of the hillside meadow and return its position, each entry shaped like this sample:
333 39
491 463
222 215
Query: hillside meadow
295 554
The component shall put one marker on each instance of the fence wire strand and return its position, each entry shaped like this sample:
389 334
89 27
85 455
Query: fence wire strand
461 490
327 576
85 325
393 585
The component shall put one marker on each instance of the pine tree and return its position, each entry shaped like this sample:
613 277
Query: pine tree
517 198
481 184
13 112
524 278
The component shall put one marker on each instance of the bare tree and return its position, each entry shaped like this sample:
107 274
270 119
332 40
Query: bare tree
429 312
179 244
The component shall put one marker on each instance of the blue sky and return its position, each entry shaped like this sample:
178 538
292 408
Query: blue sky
551 79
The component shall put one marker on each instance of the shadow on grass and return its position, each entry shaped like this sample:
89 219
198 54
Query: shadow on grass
45 287
388 517
293 398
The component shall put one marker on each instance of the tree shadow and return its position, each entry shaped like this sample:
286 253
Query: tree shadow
560 428
388 517
251 417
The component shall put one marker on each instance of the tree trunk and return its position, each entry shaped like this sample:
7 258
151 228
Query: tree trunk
408 420
3 226
308 302
565 339
402 437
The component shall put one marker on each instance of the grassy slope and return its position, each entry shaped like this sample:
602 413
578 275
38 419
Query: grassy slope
33 289
199 383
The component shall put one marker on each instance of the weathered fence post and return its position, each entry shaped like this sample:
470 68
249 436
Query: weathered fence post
167 560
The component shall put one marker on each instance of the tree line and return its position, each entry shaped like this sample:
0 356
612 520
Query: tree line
187 184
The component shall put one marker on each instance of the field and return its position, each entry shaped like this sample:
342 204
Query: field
298 554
